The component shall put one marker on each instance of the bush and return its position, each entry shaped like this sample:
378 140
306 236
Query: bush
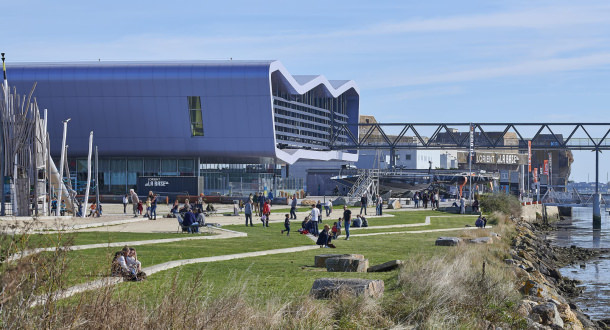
507 204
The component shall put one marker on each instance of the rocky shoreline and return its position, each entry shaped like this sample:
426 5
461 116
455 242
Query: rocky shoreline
547 293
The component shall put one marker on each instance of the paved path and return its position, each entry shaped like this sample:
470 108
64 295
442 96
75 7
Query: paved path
106 281
221 234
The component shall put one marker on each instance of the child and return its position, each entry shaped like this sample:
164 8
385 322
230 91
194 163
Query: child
148 207
92 210
287 225
63 208
140 208
334 230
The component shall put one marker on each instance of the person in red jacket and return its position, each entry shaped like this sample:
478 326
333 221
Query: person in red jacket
266 214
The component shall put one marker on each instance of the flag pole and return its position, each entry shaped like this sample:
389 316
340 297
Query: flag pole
2 149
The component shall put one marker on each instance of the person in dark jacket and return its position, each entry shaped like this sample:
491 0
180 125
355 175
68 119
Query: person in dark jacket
190 221
325 238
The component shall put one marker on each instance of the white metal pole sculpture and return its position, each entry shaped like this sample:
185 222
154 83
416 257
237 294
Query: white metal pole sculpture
61 161
88 175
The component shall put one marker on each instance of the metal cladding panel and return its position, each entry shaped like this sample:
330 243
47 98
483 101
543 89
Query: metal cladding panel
141 109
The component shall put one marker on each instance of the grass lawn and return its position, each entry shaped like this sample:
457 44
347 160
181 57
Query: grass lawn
93 237
287 271
285 276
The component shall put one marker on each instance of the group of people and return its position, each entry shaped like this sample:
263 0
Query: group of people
62 207
377 201
259 205
138 206
127 265
425 197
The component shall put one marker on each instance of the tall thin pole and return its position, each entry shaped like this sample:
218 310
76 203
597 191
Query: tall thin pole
61 160
470 162
85 202
2 149
97 185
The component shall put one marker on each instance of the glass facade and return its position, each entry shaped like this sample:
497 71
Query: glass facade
195 115
308 120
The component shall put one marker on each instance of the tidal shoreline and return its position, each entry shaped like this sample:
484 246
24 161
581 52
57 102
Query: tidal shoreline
543 283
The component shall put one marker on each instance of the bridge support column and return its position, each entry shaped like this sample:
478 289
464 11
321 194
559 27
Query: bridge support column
597 214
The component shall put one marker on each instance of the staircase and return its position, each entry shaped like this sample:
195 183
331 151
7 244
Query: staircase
367 182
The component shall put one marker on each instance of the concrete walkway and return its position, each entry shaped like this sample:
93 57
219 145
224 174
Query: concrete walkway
220 234
107 281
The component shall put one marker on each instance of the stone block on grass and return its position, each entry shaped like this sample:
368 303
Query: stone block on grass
386 266
320 260
347 264
481 240
394 204
448 241
324 288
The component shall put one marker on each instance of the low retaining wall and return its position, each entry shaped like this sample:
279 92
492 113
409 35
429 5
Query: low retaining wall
528 212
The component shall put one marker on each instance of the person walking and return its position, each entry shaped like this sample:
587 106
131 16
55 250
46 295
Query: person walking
248 212
125 202
347 218
286 225
329 207
293 207
261 203
266 214
255 203
363 201
134 200
315 215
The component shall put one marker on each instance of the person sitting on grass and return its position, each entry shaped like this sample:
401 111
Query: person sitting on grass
357 222
121 268
479 222
287 225
324 238
132 261
304 226
200 217
190 221
365 223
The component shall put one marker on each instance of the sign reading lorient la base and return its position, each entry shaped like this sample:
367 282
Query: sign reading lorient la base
170 185
496 158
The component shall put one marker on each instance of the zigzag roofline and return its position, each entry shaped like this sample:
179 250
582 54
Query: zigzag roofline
316 81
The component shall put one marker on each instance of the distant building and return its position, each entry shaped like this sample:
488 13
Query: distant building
219 126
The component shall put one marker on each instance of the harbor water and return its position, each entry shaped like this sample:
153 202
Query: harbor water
594 274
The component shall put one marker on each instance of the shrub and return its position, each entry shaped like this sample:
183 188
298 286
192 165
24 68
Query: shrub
503 203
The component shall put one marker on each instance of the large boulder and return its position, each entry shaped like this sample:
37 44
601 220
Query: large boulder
324 288
308 202
448 241
546 314
386 266
339 201
394 204
347 264
320 260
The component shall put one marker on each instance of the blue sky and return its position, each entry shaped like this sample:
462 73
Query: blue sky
414 61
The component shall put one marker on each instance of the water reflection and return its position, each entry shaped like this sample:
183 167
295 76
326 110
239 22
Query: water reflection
595 275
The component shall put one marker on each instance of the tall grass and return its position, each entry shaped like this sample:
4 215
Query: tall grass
467 287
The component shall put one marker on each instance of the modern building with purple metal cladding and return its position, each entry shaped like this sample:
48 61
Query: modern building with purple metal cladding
221 123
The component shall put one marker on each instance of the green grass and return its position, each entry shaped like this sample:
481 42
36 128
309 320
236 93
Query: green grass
83 238
86 265
288 275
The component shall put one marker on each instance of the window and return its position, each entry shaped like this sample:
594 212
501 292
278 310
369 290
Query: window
407 157
195 115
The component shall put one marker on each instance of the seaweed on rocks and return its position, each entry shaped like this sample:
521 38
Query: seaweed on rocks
543 285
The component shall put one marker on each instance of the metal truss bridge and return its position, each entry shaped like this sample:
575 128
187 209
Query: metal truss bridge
543 136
